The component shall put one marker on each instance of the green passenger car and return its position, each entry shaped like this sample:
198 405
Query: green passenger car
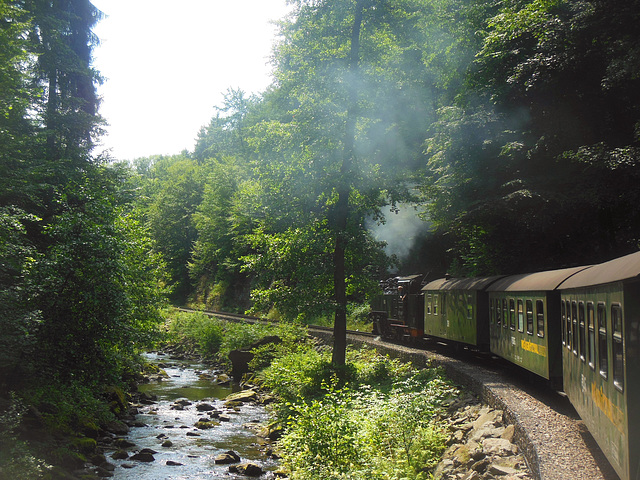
524 321
600 312
456 309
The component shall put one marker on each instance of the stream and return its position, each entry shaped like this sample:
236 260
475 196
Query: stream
189 452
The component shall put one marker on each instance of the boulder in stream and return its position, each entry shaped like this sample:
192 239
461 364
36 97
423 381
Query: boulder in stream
241 397
248 469
227 457
205 407
143 457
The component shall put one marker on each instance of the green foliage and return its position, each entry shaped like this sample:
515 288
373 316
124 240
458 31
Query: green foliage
526 156
16 458
322 441
215 338
178 192
198 331
69 408
378 425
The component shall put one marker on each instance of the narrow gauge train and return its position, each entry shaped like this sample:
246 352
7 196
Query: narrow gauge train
576 327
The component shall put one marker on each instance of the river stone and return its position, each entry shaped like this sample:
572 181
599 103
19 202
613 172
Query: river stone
167 443
123 443
143 457
509 433
248 469
102 473
171 463
481 465
273 432
502 470
472 475
109 467
120 455
243 396
205 407
205 425
227 457
117 427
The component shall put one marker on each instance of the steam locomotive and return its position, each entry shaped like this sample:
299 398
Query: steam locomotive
575 327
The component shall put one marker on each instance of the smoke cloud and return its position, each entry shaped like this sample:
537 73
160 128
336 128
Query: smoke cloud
400 232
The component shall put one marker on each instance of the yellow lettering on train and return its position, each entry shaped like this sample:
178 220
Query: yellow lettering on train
611 410
534 348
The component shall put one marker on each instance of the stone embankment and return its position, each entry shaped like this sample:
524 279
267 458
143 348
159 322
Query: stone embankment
480 445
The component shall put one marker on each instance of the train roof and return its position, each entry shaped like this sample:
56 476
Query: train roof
616 270
477 283
539 281
408 278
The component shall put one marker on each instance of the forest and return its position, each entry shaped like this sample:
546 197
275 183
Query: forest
510 127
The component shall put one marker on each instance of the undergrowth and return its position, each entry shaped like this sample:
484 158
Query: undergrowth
372 419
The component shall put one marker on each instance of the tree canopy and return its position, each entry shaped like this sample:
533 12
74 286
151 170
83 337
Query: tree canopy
79 282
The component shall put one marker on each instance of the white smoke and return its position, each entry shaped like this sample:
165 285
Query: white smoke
400 231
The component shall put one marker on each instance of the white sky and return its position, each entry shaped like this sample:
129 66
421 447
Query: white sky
168 63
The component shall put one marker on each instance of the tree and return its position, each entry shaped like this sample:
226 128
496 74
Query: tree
79 282
221 225
343 129
538 138
225 135
178 192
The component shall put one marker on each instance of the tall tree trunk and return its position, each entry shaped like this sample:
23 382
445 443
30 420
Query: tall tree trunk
344 189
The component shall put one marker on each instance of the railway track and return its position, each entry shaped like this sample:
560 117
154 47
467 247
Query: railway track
238 317
549 433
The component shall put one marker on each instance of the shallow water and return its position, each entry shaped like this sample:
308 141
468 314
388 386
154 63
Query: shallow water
195 453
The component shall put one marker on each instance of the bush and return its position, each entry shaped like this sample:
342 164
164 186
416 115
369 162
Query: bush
214 338
323 440
17 461
195 331
375 419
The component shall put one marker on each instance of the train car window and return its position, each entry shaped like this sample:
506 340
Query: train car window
492 311
429 304
583 337
618 346
569 339
505 313
435 304
540 317
469 307
563 309
574 328
529 306
603 352
591 351
520 316
512 314
498 312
